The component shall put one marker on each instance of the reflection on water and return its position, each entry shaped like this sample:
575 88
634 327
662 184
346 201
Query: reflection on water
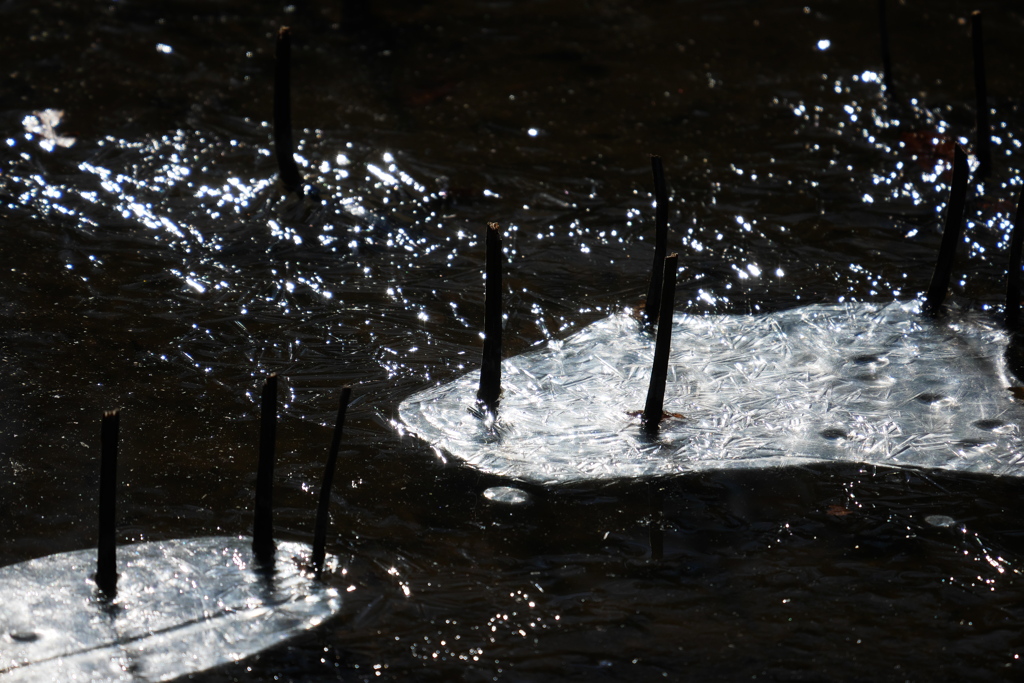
154 264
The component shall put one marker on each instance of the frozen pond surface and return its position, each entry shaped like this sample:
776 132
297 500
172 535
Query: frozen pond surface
156 266
182 606
875 384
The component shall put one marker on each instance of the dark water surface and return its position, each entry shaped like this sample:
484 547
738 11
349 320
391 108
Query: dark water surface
155 265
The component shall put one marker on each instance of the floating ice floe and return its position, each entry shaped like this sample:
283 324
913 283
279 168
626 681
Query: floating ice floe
182 606
904 384
167 608
864 383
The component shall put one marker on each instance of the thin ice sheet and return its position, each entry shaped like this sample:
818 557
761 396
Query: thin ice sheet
182 606
866 383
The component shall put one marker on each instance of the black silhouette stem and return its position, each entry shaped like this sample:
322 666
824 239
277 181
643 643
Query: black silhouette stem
653 409
983 141
653 303
263 515
1012 318
106 564
950 235
323 508
490 369
883 32
284 146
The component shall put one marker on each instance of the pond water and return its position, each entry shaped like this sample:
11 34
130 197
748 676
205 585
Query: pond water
152 263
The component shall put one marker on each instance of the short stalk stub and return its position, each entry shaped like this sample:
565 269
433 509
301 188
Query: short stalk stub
983 132
883 33
263 513
653 303
654 408
106 564
1012 308
490 368
284 146
936 294
323 508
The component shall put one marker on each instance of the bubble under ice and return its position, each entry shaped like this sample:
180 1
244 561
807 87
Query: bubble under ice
182 606
866 383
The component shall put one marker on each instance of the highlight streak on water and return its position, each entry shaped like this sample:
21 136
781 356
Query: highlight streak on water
856 383
182 606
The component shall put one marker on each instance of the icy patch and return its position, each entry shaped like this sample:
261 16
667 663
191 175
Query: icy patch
854 383
507 495
182 606
944 521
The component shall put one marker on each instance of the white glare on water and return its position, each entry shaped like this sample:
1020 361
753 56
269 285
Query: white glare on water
856 383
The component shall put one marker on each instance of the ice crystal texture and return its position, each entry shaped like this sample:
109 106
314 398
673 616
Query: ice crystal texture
868 383
182 606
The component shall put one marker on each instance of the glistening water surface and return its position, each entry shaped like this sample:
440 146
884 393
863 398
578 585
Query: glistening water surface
151 262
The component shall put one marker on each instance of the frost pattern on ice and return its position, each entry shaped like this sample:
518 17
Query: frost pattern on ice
182 606
867 383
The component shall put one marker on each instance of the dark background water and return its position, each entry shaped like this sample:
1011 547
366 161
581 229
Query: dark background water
154 265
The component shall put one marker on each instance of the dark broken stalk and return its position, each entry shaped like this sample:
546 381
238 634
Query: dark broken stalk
263 515
950 236
653 303
488 394
883 30
1012 315
983 141
284 147
106 564
323 508
1014 354
653 409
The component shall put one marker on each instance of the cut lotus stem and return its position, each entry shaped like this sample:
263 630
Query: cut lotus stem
490 369
284 147
983 141
654 408
324 506
653 303
883 31
106 564
950 235
263 515
1012 316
